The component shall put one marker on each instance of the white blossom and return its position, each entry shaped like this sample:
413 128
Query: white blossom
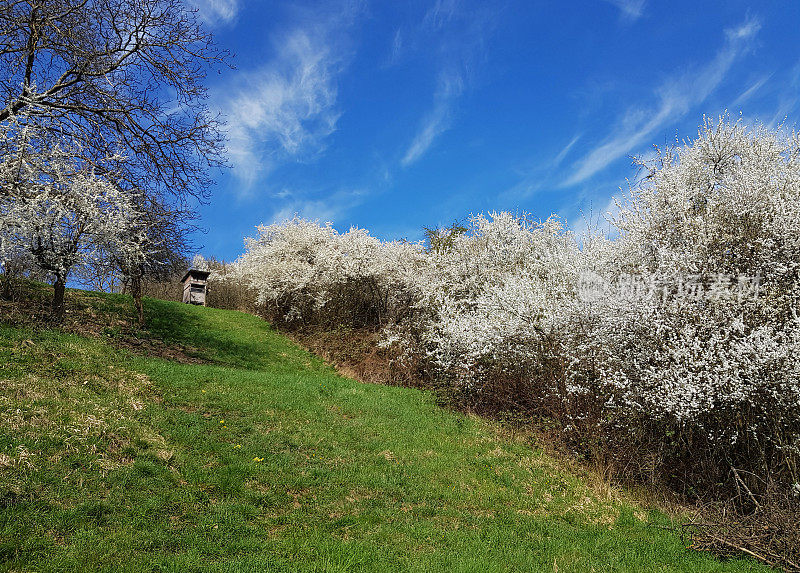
56 210
689 319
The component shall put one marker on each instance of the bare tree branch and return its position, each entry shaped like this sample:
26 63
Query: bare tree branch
119 77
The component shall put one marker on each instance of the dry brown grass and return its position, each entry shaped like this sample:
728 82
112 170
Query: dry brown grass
355 354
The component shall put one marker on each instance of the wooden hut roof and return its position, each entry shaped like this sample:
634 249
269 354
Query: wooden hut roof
196 274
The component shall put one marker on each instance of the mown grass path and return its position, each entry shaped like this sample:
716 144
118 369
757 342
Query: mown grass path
262 458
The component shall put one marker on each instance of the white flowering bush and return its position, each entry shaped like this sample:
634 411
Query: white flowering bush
307 273
674 348
704 355
489 306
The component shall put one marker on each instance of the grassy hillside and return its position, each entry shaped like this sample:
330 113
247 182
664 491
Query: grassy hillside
242 452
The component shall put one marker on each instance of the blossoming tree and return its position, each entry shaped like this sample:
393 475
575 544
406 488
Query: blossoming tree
54 209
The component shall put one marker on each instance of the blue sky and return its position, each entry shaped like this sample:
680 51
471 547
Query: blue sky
392 116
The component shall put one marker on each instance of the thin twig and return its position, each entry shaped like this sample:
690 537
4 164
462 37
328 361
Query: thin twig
747 489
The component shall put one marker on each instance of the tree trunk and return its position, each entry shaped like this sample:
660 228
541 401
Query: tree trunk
59 288
136 292
6 293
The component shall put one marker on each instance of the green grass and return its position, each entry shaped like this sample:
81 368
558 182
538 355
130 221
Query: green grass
262 458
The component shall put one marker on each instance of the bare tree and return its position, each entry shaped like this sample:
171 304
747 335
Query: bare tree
99 277
121 78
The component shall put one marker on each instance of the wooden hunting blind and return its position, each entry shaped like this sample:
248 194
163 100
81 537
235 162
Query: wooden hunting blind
195 284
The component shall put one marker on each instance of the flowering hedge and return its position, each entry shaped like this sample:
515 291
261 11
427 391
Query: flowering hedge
306 273
673 348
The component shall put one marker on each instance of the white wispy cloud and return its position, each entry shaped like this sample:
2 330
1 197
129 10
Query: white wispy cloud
537 175
676 97
629 9
563 153
216 11
329 209
786 104
787 99
284 110
397 47
457 30
750 92
745 30
441 13
451 86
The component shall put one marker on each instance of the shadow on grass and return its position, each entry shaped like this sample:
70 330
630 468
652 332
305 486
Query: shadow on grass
224 337
87 312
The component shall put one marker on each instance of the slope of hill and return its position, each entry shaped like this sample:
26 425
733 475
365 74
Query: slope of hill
236 450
